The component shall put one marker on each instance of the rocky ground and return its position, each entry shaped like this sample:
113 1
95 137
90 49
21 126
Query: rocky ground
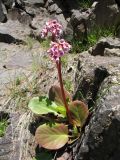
93 76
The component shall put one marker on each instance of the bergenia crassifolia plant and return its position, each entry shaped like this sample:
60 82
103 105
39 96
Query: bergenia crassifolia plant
59 103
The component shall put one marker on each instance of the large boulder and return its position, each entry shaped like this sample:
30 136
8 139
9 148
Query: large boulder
106 13
98 83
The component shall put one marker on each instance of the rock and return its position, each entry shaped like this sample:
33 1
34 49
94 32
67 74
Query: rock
8 3
112 52
61 20
38 23
13 144
64 5
39 3
80 22
48 3
13 14
3 17
91 71
14 29
104 43
68 32
65 156
99 77
59 11
24 19
53 8
105 11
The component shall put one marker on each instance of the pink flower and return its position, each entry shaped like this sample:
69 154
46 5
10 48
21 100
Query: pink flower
53 27
58 49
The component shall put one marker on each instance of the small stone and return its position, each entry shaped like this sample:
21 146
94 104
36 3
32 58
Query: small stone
53 8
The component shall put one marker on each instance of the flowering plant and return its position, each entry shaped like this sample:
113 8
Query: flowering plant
59 103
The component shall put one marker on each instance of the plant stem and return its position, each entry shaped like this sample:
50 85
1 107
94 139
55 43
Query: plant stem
58 63
53 38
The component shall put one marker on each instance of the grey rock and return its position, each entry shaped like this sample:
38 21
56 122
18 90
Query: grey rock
3 17
35 2
14 29
68 32
13 14
48 3
24 18
91 71
67 5
112 52
77 17
80 22
109 42
38 22
101 139
12 145
59 11
62 20
53 8
105 11
8 3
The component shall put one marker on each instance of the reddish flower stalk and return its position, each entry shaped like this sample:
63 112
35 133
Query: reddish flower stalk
53 38
58 63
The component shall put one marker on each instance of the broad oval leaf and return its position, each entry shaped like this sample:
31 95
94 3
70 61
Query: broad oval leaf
53 137
56 95
42 105
79 112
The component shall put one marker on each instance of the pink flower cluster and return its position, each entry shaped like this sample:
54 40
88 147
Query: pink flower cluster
53 27
58 49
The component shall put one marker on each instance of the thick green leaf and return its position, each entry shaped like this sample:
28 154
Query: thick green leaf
53 137
56 95
79 112
61 110
42 105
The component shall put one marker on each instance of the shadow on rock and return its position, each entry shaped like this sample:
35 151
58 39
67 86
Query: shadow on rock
6 38
34 125
90 84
